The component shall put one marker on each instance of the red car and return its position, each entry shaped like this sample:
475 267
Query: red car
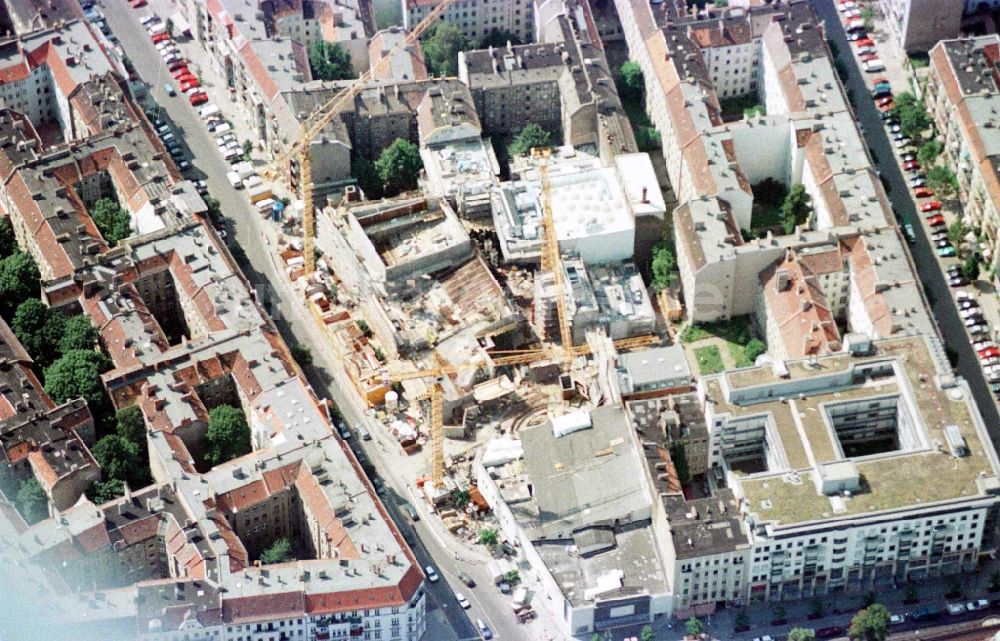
936 220
866 42
923 192
138 3
160 37
869 56
881 102
200 98
989 352
934 205
911 165
180 72
188 86
186 76
177 64
889 106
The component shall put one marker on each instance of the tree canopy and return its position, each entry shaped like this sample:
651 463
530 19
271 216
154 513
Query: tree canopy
970 267
398 166
489 537
796 209
928 152
499 38
101 492
912 114
77 373
278 552
329 61
662 265
693 627
78 333
632 82
942 180
8 241
441 45
368 179
532 135
130 425
801 634
120 459
19 280
112 220
31 500
870 624
39 329
228 435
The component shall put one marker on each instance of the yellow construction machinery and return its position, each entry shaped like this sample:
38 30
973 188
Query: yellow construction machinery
317 121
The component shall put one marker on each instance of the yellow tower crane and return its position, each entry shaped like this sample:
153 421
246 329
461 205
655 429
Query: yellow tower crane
323 116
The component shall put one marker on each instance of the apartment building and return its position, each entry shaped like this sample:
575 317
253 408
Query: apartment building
962 97
563 85
477 18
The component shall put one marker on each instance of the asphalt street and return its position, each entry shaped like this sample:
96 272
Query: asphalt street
928 268
446 620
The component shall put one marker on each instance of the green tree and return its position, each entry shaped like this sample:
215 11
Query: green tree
912 114
632 85
78 333
720 4
18 281
756 110
796 208
169 26
119 459
228 435
957 232
302 355
489 537
662 265
398 166
928 152
461 498
214 212
870 624
278 552
31 500
441 45
801 634
995 581
754 348
693 627
597 637
365 329
112 220
8 241
742 619
329 61
532 135
816 607
130 425
75 374
646 138
101 492
942 180
498 38
970 267
39 329
678 454
513 577
247 148
647 634
368 179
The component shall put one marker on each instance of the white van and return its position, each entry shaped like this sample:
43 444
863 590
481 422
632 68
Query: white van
264 206
222 129
234 180
252 181
208 111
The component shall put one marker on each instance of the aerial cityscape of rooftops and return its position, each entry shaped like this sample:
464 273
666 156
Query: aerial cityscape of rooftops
531 320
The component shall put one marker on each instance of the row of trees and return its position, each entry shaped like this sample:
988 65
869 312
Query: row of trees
48 334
